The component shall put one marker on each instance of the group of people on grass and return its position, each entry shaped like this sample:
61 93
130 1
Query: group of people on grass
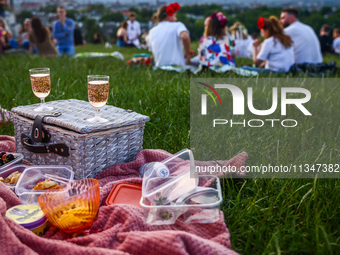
36 38
39 39
330 43
129 32
286 41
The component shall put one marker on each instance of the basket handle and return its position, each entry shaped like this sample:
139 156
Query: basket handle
59 148
39 133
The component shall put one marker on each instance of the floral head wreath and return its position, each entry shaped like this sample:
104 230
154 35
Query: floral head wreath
172 8
260 23
220 17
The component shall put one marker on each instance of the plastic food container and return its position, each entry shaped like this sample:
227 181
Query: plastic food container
74 207
169 179
29 216
201 205
35 174
125 193
5 173
18 157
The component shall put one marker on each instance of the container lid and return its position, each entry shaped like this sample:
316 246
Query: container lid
28 215
74 114
125 193
18 157
32 175
178 181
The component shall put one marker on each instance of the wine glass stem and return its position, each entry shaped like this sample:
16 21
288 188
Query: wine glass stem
42 102
97 113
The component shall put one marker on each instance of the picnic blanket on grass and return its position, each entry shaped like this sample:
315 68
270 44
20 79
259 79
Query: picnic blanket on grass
123 229
114 54
217 69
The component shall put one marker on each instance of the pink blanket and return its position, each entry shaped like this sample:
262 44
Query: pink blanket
123 228
7 143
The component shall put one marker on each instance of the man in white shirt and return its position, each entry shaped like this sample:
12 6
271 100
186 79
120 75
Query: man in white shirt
306 43
168 39
133 30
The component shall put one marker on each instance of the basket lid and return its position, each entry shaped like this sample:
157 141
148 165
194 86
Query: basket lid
74 114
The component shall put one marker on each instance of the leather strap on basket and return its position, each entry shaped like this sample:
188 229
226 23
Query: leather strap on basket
39 133
59 148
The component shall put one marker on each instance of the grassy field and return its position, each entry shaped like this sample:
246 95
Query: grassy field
264 216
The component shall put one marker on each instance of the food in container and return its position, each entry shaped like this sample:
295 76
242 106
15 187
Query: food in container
47 184
125 193
29 216
37 174
201 205
8 159
179 193
74 206
12 180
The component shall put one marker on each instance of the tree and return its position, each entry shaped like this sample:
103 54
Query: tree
205 10
326 10
49 8
23 15
145 15
73 14
91 27
97 8
113 16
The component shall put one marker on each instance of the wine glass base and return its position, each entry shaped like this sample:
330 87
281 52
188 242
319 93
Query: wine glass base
43 109
97 120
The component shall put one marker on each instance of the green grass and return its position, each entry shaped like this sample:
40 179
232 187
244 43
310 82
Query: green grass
264 216
315 139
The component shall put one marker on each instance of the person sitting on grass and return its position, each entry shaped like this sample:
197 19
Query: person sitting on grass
2 40
24 34
214 50
133 30
78 37
276 53
326 39
6 34
168 38
122 34
97 39
306 44
3 3
242 40
42 38
336 41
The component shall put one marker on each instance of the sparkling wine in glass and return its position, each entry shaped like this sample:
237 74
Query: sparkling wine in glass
41 86
98 93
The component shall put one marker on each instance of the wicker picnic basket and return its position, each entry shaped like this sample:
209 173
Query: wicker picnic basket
66 138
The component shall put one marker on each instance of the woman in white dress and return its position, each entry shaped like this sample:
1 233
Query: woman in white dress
242 40
276 51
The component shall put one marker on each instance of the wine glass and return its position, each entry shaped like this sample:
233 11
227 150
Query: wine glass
41 86
98 93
